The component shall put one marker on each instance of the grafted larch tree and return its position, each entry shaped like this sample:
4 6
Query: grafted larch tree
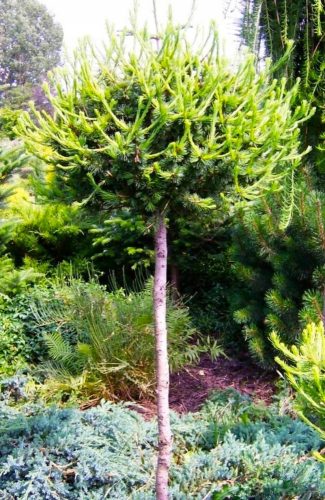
163 131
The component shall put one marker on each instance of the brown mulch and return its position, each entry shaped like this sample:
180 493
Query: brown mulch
192 386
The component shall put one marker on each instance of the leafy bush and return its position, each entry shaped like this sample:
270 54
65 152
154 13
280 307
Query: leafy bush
13 345
21 341
15 280
110 452
8 120
103 342
305 369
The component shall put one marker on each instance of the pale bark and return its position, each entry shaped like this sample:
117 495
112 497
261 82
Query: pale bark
162 367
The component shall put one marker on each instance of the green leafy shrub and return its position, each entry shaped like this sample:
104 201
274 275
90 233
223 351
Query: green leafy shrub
8 120
110 451
104 341
13 344
21 340
15 280
304 367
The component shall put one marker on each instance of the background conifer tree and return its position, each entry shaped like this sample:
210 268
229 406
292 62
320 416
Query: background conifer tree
282 270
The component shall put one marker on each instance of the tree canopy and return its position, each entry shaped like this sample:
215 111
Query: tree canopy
156 131
30 42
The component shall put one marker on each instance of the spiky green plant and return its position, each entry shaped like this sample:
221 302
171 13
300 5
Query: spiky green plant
304 367
273 26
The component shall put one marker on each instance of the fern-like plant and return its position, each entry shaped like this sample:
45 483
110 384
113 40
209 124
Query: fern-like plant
106 338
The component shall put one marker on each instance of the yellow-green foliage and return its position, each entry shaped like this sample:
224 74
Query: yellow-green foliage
8 120
305 370
50 222
156 130
44 230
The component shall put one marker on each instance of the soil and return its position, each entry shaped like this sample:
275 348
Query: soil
192 386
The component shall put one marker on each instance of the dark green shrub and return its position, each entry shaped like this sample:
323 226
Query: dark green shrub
278 274
21 340
13 343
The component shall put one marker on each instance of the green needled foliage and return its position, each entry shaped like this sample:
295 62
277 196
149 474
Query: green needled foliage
160 130
280 272
299 24
305 370
10 158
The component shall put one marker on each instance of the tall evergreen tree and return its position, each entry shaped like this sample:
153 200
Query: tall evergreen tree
282 271
269 26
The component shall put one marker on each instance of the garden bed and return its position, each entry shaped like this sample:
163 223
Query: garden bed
190 387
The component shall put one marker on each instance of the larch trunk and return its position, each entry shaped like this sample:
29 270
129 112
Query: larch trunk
162 366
